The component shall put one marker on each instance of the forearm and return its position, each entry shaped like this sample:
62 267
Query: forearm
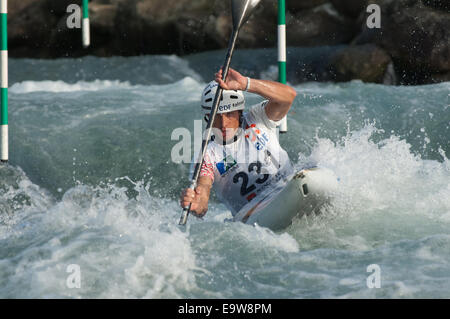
204 184
280 96
275 92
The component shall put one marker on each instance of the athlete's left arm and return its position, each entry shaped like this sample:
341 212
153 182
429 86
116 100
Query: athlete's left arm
280 96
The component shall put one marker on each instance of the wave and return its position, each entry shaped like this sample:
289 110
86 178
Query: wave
97 85
387 192
390 200
61 86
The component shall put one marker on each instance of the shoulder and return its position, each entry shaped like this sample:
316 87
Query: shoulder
258 114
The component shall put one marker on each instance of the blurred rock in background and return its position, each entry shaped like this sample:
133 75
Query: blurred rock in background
411 47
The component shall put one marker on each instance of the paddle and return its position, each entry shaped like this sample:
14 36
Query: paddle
241 10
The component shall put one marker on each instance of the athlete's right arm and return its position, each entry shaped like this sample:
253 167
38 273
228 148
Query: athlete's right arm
198 197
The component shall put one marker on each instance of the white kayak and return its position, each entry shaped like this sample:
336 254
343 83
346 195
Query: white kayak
307 191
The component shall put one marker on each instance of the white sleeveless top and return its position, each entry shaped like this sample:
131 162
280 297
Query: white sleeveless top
248 169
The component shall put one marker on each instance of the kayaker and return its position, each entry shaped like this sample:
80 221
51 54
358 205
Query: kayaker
244 161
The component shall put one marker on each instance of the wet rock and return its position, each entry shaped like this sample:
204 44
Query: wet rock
29 26
59 7
367 63
299 5
438 4
414 33
103 16
260 30
179 27
351 8
415 36
320 26
15 7
440 77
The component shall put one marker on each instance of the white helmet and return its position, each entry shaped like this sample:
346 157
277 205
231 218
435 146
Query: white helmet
230 100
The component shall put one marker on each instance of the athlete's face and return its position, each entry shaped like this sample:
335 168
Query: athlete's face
227 123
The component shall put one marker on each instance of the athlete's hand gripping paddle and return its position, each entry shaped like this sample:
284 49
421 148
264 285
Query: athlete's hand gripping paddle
241 10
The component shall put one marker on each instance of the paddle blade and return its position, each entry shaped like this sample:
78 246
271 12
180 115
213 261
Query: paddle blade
242 10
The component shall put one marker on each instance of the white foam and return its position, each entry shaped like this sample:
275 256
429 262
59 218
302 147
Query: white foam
386 191
125 248
402 290
283 242
61 86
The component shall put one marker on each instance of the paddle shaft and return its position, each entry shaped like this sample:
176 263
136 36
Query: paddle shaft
212 115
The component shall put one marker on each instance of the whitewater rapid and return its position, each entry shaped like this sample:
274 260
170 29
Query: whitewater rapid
91 183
